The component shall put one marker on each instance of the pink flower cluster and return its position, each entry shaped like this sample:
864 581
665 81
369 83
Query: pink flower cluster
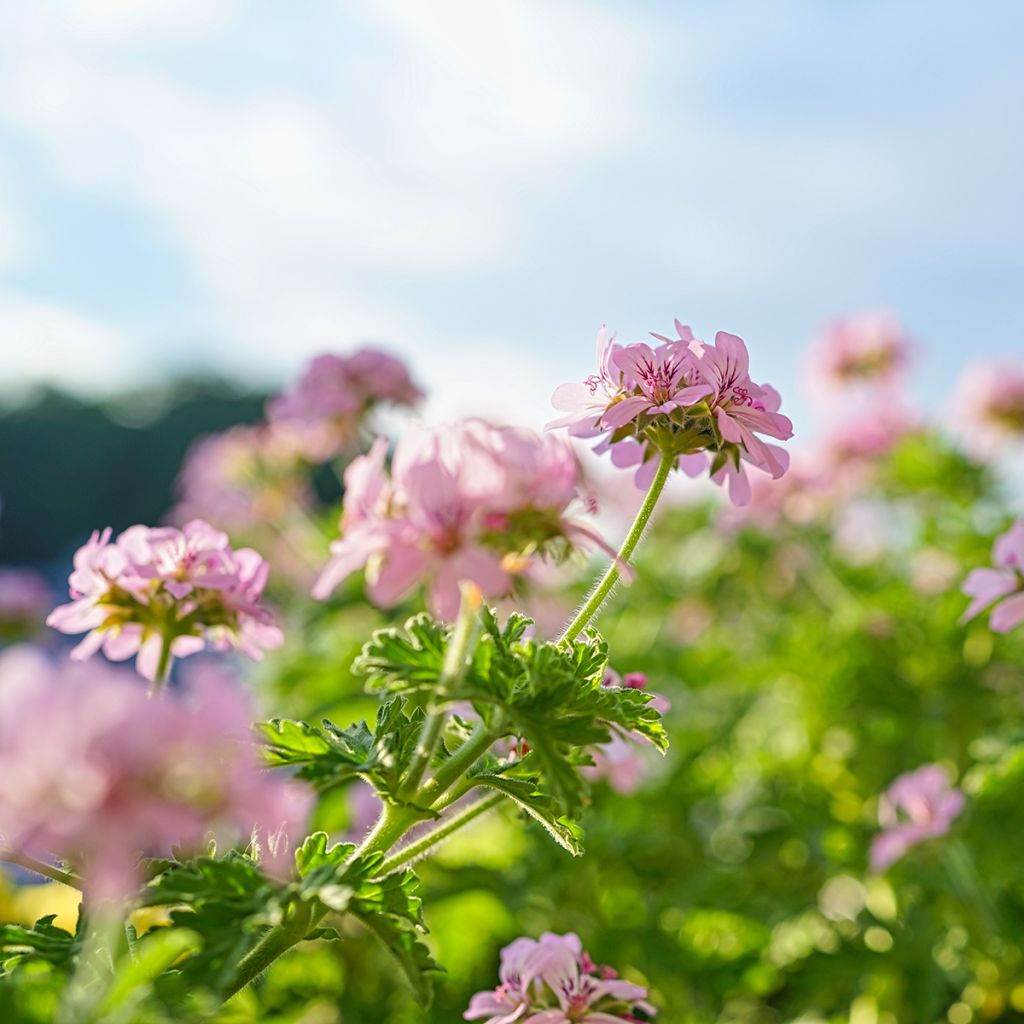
919 805
1002 586
989 407
621 761
553 981
869 347
468 502
98 774
685 398
243 476
160 592
335 393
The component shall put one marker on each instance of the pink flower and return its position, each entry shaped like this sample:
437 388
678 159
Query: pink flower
465 502
989 407
917 806
553 981
160 592
335 393
869 347
683 398
1005 581
245 476
98 774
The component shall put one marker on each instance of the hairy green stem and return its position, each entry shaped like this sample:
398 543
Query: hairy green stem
68 878
275 942
456 655
476 745
612 574
442 831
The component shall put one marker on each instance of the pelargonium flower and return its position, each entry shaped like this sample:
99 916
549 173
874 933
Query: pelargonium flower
243 476
869 347
97 774
1003 584
465 502
918 805
25 597
160 592
553 981
693 401
989 406
335 393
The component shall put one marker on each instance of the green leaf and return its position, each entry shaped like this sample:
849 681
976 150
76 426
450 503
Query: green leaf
227 902
540 806
334 756
43 941
390 909
406 659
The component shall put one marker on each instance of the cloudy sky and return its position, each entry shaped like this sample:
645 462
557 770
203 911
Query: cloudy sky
237 184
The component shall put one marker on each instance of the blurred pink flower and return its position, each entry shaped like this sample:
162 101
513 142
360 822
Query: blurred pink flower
684 397
335 393
464 502
553 981
160 592
869 347
1005 581
98 774
917 806
989 406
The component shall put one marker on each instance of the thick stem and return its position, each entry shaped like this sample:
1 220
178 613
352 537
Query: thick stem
273 944
41 868
475 746
446 828
459 648
611 576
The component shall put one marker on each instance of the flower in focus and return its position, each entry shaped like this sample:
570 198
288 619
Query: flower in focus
335 393
989 403
98 774
553 981
160 592
1003 584
25 598
917 806
869 347
465 502
685 399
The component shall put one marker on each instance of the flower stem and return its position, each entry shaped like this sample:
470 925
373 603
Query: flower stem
163 666
457 653
611 576
434 836
41 868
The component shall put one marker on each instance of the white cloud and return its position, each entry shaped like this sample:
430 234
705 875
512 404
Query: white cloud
51 344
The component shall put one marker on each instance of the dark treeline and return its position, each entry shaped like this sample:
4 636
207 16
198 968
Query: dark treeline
68 466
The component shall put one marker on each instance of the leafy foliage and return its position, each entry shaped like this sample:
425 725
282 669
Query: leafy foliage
44 941
331 756
549 695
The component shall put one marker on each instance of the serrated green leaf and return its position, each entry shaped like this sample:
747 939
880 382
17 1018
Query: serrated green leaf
406 659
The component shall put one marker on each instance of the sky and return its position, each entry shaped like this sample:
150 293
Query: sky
478 185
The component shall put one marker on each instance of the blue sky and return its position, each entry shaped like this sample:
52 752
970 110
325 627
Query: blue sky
479 185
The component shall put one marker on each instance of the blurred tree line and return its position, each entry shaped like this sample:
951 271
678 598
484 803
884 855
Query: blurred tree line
68 466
